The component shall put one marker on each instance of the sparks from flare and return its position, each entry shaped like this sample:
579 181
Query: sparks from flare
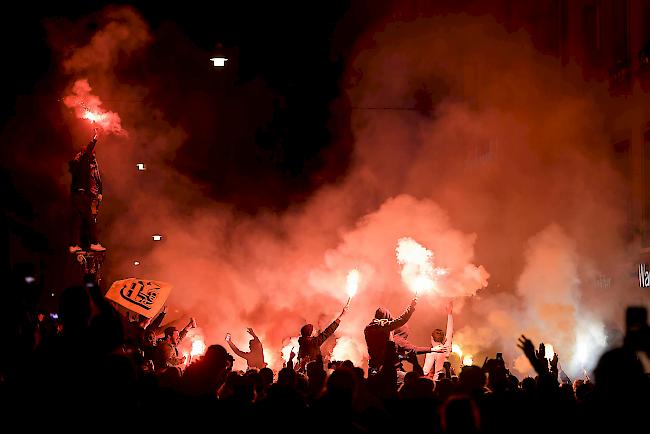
94 117
418 272
87 106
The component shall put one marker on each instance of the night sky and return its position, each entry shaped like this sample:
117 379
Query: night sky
273 125
276 97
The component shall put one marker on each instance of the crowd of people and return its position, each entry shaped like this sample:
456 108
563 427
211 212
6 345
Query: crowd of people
92 362
88 362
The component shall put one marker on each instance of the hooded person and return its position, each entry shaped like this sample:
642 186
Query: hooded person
309 346
379 331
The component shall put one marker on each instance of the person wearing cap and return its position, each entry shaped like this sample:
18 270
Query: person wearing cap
167 351
309 346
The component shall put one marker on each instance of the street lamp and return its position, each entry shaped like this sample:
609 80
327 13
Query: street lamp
219 61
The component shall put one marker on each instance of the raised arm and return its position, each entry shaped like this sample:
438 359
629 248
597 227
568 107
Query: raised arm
236 350
91 145
403 319
183 332
329 331
449 334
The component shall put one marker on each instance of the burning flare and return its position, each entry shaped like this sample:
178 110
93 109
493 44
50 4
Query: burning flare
548 351
418 272
198 347
468 360
94 117
88 106
455 348
352 283
286 350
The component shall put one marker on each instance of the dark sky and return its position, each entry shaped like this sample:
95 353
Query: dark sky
273 125
280 138
283 118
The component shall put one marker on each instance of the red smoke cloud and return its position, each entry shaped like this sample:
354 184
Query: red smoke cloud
88 106
508 173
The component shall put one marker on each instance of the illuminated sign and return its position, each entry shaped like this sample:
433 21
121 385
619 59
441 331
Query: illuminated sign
644 276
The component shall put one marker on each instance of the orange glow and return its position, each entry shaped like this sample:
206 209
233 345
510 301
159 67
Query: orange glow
352 283
286 350
417 272
269 357
198 347
94 117
348 349
549 351
455 348
88 106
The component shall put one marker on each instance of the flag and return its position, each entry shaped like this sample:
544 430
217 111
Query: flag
142 296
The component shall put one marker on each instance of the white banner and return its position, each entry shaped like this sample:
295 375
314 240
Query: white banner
142 296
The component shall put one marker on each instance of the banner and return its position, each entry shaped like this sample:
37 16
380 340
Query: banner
142 296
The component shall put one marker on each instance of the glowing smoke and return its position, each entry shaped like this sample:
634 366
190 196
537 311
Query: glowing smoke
292 345
352 283
349 349
88 106
417 272
501 158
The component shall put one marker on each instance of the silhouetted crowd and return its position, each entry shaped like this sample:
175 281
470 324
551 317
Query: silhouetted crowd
93 368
